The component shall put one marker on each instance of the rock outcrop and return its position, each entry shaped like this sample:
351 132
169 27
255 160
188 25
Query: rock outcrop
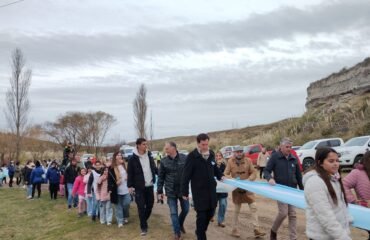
341 85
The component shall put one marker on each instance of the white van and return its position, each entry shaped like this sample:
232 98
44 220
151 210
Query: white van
126 151
307 152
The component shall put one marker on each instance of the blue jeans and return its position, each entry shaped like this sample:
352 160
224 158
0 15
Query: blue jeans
222 206
29 190
89 203
106 212
70 198
178 220
122 207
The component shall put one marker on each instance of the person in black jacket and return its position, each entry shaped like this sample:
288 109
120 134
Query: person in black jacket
200 168
70 174
286 172
170 173
141 171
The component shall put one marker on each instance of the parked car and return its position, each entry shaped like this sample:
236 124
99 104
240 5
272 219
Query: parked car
308 150
252 152
353 150
227 151
295 148
185 152
126 151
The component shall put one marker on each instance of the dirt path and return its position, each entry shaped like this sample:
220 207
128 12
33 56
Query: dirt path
267 212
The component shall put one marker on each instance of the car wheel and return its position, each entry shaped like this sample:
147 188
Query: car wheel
357 160
307 163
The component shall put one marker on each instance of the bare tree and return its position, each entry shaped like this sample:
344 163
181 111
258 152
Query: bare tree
140 110
68 127
18 105
82 129
96 129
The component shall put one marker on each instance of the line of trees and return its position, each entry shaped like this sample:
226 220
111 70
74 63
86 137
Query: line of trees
87 130
82 129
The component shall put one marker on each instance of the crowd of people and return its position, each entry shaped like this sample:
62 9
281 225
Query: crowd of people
107 188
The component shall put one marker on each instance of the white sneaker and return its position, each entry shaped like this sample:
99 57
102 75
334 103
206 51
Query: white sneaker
29 197
125 220
120 225
108 224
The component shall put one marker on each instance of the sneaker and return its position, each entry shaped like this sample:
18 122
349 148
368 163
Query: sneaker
102 223
108 224
29 197
235 233
120 225
259 233
93 218
221 225
125 221
144 232
69 207
182 229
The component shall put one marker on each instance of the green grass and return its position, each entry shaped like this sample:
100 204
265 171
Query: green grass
45 219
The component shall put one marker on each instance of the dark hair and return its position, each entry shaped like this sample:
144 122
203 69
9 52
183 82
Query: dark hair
114 160
202 137
172 144
321 155
366 163
103 169
80 172
37 164
140 141
97 161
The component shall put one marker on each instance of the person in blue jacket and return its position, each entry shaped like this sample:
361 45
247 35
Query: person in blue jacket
53 176
11 171
37 179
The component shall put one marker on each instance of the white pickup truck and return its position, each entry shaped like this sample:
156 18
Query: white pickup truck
353 150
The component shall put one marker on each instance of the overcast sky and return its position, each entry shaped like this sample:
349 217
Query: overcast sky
208 64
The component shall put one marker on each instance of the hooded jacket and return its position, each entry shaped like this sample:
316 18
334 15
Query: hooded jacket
135 171
324 219
53 175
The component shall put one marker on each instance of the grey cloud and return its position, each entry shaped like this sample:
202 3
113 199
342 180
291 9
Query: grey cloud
283 23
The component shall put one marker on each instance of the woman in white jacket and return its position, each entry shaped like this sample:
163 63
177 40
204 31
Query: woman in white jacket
327 216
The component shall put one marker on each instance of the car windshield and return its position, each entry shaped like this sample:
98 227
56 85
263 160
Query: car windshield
308 145
247 148
359 141
129 150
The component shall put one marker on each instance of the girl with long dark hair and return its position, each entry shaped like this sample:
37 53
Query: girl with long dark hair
327 216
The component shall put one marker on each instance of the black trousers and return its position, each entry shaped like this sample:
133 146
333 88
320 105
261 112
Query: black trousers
53 188
11 181
144 199
261 171
203 218
38 186
19 180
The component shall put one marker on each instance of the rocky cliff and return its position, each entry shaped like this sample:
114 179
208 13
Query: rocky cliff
339 86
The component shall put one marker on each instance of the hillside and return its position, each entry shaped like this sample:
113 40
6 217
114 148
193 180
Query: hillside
337 106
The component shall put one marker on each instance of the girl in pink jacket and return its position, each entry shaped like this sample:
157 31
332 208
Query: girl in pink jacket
79 189
106 211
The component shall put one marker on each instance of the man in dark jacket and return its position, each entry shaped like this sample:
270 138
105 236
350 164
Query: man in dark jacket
66 154
200 168
70 175
141 171
170 173
286 172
